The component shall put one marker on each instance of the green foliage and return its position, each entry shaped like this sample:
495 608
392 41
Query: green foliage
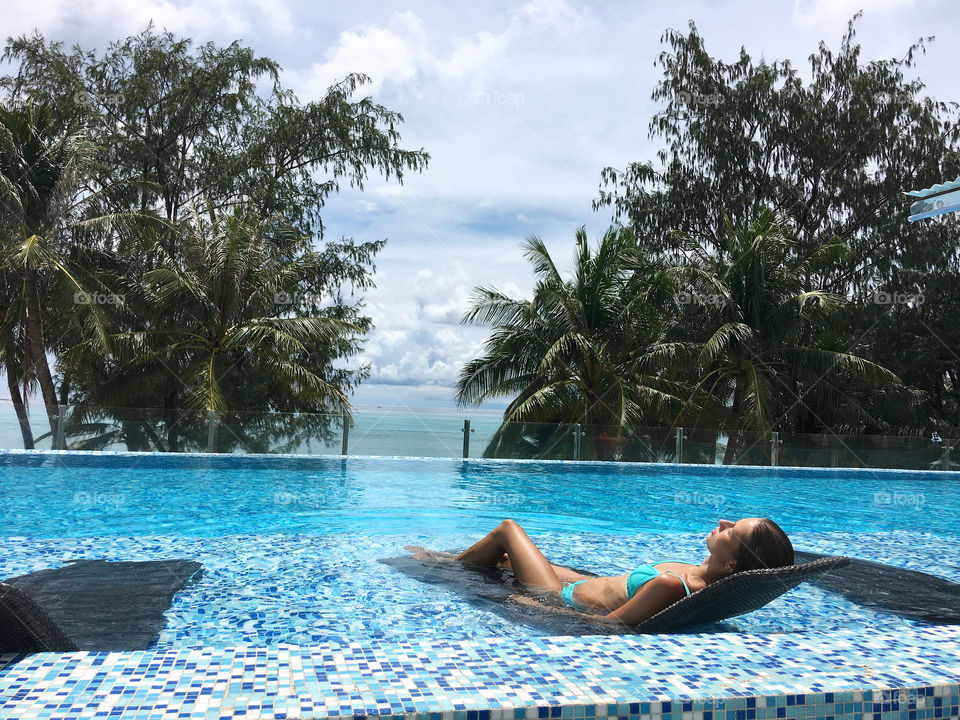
133 141
832 157
580 350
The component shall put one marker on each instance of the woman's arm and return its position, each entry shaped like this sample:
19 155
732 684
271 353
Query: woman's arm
656 594
527 600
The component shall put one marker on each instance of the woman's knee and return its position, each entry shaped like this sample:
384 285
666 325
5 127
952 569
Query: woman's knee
508 524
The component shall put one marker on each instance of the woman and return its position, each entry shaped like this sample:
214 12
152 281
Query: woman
636 596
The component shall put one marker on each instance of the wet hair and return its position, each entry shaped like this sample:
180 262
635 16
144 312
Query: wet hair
767 547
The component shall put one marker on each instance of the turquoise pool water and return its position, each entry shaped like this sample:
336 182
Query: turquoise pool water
290 546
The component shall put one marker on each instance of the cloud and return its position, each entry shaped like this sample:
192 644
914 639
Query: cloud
84 21
394 54
833 14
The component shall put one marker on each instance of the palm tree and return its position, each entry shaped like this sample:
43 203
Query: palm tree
52 213
580 351
225 317
766 350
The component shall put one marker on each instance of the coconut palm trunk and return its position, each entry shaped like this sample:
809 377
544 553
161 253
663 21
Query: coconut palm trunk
35 347
13 386
733 423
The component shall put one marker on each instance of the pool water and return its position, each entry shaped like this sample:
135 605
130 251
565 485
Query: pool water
290 546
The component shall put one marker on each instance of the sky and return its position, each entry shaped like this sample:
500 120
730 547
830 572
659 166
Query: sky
520 105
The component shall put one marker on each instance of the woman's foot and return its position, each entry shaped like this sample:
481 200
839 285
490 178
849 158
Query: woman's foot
421 553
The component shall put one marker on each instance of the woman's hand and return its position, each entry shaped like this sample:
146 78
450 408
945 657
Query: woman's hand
525 600
421 553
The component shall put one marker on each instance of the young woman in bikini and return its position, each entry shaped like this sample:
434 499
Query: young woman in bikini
634 596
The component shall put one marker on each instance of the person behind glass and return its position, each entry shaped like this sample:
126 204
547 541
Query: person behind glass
635 596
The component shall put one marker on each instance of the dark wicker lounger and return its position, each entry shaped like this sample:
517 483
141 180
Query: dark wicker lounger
93 605
491 589
26 627
736 594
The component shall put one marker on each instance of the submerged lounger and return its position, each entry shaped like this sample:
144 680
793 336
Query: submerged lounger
91 605
734 595
908 593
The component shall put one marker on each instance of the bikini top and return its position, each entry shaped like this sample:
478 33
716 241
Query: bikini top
642 574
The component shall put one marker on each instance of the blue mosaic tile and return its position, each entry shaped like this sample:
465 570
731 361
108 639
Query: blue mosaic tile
699 677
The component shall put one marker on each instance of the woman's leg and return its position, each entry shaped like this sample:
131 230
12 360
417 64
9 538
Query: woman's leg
529 564
565 574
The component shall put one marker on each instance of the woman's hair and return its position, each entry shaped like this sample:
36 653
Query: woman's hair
767 547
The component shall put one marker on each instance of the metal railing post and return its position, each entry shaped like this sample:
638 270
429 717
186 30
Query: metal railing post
211 431
59 442
680 445
466 438
576 441
774 445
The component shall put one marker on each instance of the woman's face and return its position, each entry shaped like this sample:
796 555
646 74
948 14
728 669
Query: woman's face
723 542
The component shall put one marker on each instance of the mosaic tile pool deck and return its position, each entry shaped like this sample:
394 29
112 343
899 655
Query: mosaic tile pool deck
876 676
908 673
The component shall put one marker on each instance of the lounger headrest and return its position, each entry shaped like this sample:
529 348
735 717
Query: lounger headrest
736 594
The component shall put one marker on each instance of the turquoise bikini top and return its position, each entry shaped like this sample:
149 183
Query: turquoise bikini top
638 577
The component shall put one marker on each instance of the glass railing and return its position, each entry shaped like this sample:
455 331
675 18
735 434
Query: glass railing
452 434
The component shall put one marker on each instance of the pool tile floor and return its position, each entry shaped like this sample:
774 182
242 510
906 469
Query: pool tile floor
912 674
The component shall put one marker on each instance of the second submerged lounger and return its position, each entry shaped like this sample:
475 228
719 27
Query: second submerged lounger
91 605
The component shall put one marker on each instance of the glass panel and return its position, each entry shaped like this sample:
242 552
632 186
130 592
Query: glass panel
11 434
703 445
283 433
406 434
864 451
135 429
436 434
542 441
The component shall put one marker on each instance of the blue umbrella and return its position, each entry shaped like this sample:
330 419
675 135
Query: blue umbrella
936 200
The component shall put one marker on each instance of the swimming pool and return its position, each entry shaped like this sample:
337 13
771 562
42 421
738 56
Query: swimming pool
290 546
294 618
